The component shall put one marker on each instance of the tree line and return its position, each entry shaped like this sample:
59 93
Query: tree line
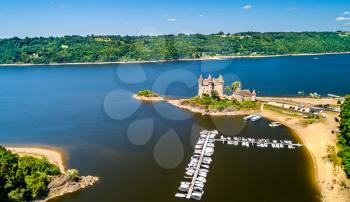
73 49
344 136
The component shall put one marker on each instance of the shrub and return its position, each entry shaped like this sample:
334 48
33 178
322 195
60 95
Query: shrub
147 93
73 174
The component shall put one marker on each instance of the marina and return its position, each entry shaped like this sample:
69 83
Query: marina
198 168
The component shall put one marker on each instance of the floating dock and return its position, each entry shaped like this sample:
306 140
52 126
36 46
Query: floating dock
263 142
197 170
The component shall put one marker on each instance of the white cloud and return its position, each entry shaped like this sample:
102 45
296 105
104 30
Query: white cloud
247 7
342 18
201 15
346 13
172 19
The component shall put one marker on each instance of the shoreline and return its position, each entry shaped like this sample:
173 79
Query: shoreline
55 155
316 137
59 185
175 60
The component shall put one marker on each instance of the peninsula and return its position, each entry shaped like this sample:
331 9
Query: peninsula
41 174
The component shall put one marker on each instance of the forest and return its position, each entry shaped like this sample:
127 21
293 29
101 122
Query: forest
344 136
115 48
23 178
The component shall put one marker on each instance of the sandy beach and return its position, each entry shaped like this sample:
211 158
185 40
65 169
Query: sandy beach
316 137
54 155
177 60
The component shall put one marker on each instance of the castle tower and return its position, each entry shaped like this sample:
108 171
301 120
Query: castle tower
206 86
200 85
219 85
253 96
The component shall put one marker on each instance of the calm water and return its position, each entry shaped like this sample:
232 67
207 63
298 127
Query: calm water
88 111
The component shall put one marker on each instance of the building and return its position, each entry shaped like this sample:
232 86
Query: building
244 95
206 86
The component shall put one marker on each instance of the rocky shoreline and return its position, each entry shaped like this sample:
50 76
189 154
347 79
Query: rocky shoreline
62 185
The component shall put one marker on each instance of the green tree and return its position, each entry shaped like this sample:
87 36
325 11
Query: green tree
73 174
228 89
16 195
344 136
215 95
235 85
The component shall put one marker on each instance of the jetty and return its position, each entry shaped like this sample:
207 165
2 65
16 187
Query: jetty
197 170
263 142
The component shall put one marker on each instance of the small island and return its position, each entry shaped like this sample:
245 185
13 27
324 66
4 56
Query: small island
37 174
211 99
147 95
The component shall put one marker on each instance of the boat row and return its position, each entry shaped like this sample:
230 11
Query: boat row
198 168
263 143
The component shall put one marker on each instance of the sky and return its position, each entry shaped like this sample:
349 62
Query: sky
34 18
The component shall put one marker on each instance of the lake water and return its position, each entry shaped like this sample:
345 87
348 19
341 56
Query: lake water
140 149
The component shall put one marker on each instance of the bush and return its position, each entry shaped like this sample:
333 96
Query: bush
73 174
147 93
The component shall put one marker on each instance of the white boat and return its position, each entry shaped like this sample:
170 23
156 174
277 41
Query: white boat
196 196
247 118
255 118
205 166
275 124
180 195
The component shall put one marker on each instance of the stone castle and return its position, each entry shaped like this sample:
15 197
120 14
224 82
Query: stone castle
208 85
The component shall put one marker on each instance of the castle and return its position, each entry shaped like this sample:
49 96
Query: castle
207 86
244 95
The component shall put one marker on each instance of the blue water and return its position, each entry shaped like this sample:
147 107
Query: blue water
88 109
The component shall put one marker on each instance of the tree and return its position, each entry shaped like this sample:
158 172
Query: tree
73 174
215 95
16 195
235 85
228 89
344 136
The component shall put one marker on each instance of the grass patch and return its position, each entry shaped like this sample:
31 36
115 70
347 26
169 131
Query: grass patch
215 103
332 155
147 93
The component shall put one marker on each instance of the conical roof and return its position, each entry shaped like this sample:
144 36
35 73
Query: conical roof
200 78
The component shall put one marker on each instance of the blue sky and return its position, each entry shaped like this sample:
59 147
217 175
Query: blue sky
135 17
